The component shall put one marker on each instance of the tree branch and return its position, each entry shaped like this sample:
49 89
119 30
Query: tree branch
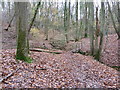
33 19
10 23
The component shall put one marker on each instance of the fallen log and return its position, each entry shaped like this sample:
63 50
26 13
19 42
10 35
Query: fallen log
47 51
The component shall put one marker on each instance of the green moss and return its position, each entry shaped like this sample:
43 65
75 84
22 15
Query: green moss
97 55
25 59
20 56
116 67
28 60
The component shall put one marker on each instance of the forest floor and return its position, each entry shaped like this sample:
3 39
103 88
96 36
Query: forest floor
60 70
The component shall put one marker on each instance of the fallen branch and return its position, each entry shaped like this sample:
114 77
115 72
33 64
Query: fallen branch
9 75
47 51
80 51
9 25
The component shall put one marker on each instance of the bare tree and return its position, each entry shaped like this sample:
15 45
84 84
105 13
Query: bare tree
85 20
77 31
115 27
65 21
102 27
91 28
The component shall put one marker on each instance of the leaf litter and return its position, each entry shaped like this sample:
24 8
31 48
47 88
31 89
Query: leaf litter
66 70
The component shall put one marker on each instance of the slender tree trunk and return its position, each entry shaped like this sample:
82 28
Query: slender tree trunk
46 21
91 28
88 18
81 21
9 25
69 18
65 21
31 23
118 7
9 9
3 5
97 31
33 19
102 19
117 31
77 31
106 28
86 26
69 13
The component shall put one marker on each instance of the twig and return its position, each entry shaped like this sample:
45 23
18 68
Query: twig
9 75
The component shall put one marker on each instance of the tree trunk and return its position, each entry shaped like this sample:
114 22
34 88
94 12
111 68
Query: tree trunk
118 7
91 28
68 18
97 31
31 23
9 9
85 20
9 25
65 21
33 19
117 30
77 32
22 30
46 21
102 19
3 5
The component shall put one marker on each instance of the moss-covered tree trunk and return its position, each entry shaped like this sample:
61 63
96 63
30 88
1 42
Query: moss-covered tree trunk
22 30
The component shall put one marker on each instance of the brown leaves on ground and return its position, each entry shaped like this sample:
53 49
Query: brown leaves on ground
110 53
61 70
110 49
